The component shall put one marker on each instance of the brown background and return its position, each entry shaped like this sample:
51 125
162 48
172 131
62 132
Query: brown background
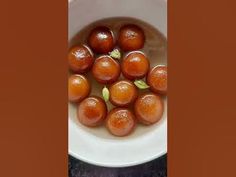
33 99
33 106
202 86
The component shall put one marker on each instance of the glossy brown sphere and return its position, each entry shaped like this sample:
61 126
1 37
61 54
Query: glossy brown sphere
101 40
120 122
135 65
80 59
106 70
78 88
123 93
131 37
92 111
157 79
148 108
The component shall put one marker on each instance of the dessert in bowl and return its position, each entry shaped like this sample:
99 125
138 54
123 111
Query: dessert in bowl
119 134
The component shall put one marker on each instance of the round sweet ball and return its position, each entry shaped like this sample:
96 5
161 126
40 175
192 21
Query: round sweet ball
80 59
157 79
92 111
148 108
131 37
106 70
78 88
120 122
101 40
123 93
135 65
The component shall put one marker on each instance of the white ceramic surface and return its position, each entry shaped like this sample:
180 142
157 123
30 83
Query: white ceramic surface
97 146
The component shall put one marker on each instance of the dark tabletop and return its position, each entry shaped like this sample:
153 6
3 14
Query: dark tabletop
155 168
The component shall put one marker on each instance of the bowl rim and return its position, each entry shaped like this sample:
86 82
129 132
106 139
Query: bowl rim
129 164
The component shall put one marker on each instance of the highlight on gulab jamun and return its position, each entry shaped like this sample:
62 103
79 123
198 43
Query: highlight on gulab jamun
148 108
157 79
101 40
80 59
131 37
120 121
123 93
92 111
106 70
78 88
135 65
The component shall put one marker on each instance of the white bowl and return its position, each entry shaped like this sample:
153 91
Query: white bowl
97 146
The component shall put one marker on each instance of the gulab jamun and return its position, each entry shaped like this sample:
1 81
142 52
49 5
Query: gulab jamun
101 40
123 93
106 70
135 65
92 111
78 88
80 59
148 108
157 79
120 121
131 37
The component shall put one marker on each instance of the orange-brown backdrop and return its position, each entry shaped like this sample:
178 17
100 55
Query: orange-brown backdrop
33 99
202 86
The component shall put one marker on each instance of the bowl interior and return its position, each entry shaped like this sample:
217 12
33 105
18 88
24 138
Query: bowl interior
155 49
